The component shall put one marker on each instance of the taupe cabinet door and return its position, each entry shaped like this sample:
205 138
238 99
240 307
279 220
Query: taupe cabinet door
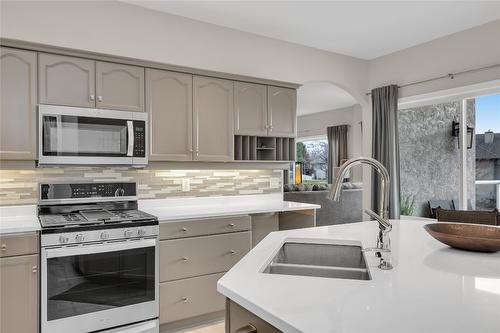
281 111
66 80
19 290
169 102
18 104
213 119
250 109
119 87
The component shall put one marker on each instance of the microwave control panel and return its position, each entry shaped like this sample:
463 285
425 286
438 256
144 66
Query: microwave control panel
139 138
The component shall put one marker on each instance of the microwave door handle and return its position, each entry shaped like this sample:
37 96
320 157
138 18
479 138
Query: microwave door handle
130 131
98 248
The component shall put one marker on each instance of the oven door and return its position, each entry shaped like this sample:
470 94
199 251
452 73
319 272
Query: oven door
97 286
69 135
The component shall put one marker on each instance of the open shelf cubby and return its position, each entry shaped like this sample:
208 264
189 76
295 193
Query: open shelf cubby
260 148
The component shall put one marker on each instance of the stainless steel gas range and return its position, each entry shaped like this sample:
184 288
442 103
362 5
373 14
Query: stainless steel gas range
99 260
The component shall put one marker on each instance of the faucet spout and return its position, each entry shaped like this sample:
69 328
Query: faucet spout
385 226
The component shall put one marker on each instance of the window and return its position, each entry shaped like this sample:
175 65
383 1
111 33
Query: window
313 153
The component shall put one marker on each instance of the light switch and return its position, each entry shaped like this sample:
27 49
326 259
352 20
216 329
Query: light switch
186 185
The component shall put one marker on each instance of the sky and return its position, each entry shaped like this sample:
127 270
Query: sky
488 114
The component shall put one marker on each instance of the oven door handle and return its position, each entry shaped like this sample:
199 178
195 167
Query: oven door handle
98 248
130 132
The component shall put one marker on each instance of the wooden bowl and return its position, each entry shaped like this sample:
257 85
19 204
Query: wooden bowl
473 237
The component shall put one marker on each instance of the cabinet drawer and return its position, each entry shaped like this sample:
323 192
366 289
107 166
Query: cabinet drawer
238 318
190 297
188 257
20 244
211 226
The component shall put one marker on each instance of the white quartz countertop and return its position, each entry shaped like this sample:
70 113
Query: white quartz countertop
432 288
190 208
18 219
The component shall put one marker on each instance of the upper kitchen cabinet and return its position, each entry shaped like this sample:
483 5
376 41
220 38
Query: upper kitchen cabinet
169 98
18 104
250 109
281 111
213 119
119 87
66 80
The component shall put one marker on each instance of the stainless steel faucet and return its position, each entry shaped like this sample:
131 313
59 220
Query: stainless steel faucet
383 249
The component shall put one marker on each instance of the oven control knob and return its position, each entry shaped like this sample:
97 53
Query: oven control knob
141 232
80 237
104 235
128 233
63 239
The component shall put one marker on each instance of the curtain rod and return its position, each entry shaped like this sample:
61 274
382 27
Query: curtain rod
451 76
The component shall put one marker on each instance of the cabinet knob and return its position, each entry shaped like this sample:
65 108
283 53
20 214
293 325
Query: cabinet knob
185 299
231 225
92 97
184 229
4 247
34 269
232 251
99 98
249 328
185 259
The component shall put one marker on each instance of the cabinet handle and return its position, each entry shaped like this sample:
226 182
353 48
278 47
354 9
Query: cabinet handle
231 225
185 259
184 229
92 97
185 299
99 98
249 328
34 269
4 247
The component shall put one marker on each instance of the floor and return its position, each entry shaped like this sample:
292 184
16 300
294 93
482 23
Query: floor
211 328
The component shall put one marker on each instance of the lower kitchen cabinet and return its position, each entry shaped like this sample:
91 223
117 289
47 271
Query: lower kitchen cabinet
262 225
188 257
240 320
19 290
191 297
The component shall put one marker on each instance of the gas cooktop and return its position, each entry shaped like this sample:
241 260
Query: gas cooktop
92 216
89 206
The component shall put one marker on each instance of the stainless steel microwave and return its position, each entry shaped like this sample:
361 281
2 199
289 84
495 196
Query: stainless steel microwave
72 135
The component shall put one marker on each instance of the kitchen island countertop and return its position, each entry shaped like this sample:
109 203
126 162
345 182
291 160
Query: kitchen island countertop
432 288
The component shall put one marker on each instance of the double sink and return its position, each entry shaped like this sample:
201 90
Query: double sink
320 260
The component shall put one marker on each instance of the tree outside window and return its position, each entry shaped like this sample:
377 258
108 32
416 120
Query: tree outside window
313 153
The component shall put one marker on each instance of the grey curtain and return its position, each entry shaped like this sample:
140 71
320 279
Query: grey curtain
337 147
385 146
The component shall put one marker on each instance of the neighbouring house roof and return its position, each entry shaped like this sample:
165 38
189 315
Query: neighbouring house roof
490 151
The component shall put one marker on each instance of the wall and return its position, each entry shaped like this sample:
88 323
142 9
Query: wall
315 125
21 186
469 49
429 155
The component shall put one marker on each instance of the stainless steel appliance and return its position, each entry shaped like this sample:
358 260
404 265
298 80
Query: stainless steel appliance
71 135
99 260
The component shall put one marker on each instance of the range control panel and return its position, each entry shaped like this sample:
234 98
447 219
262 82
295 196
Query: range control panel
87 190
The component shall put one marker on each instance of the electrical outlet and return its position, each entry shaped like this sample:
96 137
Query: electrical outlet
274 183
186 185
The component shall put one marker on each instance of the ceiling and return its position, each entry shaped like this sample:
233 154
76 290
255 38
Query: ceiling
362 29
315 97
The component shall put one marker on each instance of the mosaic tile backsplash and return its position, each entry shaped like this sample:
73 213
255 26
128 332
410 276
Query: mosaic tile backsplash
20 187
